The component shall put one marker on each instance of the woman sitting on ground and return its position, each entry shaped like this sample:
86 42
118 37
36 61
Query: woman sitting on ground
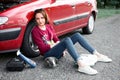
50 46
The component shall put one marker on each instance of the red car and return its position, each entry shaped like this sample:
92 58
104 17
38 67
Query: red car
16 21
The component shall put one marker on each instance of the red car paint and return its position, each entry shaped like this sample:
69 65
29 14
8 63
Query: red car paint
64 15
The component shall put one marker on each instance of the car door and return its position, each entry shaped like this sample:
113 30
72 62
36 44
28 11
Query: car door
82 10
60 16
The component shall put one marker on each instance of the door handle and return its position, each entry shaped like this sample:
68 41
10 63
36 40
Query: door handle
73 6
88 3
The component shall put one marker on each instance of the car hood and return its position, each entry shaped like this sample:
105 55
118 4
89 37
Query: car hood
6 4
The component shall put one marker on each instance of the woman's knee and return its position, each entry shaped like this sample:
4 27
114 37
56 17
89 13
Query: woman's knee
67 40
77 34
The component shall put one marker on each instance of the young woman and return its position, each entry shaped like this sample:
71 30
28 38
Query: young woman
49 44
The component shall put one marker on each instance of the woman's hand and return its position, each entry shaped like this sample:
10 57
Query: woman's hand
53 44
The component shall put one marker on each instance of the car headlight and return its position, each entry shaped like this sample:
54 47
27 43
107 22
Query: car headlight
3 20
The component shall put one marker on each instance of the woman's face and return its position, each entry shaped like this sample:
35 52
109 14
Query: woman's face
40 19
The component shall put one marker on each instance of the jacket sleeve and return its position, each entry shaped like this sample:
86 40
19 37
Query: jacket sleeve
37 38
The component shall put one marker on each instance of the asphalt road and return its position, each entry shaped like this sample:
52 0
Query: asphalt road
105 38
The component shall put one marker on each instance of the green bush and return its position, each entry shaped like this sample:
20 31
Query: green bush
108 3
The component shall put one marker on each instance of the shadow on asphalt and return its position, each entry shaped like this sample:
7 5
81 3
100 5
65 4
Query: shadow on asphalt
7 55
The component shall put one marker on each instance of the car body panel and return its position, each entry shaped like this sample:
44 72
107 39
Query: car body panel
60 21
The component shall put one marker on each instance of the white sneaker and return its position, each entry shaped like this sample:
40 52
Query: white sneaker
87 70
104 58
88 59
101 57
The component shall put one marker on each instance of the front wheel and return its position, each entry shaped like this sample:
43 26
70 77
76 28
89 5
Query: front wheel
90 26
28 48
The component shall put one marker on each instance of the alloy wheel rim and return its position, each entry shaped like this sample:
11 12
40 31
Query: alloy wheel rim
32 45
91 23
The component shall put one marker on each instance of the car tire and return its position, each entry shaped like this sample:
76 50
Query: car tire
90 26
28 48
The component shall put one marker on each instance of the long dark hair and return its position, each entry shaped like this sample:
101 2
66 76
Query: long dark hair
42 11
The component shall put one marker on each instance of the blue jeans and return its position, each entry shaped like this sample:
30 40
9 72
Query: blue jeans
68 43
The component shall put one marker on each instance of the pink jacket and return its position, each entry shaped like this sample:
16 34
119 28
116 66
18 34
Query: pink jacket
40 36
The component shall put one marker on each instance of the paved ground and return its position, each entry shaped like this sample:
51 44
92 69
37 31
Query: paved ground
106 38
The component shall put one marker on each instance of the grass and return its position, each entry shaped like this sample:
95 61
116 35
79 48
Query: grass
104 13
